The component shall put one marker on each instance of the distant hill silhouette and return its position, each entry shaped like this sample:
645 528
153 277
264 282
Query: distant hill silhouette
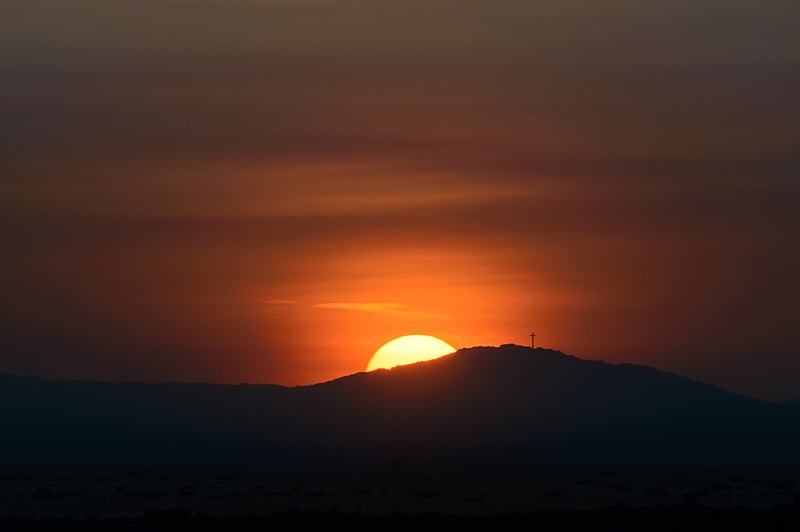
482 404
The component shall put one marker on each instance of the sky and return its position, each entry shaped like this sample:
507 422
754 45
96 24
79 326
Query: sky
267 191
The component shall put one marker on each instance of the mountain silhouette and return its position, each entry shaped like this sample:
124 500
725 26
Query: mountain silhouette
482 405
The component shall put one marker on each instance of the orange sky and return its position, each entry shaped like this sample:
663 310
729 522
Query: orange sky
239 191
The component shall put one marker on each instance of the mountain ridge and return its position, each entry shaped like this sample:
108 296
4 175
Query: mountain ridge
460 352
481 404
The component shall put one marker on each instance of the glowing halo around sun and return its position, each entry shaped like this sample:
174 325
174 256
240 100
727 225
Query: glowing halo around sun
408 350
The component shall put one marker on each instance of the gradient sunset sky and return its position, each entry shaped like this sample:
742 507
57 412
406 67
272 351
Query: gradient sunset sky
267 191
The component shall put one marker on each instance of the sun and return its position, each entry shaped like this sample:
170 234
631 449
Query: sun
408 350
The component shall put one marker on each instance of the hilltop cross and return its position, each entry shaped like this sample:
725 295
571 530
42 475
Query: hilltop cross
533 336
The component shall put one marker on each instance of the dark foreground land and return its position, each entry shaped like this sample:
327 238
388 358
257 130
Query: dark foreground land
786 517
408 499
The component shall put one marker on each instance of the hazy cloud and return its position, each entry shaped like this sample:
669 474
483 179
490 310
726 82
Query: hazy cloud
395 309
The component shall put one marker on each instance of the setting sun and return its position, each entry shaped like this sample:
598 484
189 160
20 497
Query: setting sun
408 350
